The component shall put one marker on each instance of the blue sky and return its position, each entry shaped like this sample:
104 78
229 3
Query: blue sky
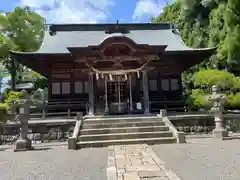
91 11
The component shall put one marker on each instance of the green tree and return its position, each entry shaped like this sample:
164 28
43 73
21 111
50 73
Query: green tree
232 17
21 30
205 79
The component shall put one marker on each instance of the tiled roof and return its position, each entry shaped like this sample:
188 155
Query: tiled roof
60 37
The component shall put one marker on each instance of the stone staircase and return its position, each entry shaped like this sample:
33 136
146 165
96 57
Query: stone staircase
113 130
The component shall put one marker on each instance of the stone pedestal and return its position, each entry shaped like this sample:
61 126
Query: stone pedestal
220 131
23 145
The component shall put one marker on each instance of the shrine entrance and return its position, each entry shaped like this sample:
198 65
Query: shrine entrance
117 93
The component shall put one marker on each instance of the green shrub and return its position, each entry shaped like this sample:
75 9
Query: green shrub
3 111
233 101
199 99
205 79
12 97
40 82
236 86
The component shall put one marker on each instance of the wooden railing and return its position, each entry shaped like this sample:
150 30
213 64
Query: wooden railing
170 103
63 107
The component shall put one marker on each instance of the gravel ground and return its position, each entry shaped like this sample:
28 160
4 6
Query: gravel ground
53 163
203 159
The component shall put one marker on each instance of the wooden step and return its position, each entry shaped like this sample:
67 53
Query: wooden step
124 130
104 143
132 135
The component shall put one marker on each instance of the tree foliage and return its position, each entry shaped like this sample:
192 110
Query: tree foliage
209 23
205 79
21 30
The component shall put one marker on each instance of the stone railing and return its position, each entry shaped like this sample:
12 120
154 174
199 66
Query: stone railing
202 122
179 135
38 130
72 141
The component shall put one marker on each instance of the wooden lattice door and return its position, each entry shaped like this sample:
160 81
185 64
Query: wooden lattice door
116 90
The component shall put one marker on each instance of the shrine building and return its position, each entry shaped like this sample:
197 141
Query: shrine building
114 68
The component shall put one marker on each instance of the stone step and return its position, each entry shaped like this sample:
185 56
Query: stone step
150 141
117 124
134 135
121 116
124 130
104 120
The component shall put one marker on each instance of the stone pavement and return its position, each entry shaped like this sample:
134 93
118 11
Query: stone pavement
52 161
136 162
202 159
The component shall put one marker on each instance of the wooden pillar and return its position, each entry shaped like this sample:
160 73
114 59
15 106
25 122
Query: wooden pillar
91 95
145 92
106 95
130 93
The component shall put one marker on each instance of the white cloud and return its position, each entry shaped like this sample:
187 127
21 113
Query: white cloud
147 8
71 11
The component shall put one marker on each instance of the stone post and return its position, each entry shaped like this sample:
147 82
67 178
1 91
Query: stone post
218 101
91 95
72 141
145 92
24 143
163 112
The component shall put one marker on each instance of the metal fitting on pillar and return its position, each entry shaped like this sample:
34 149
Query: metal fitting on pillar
110 77
138 74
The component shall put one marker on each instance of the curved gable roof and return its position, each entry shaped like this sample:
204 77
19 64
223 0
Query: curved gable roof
60 37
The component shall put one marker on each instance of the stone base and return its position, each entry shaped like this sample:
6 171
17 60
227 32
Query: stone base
90 115
23 145
220 134
147 112
72 143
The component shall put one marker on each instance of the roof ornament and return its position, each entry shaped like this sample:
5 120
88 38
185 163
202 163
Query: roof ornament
51 31
117 29
121 71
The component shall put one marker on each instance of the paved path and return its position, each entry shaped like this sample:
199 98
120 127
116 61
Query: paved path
199 159
136 162
50 162
203 159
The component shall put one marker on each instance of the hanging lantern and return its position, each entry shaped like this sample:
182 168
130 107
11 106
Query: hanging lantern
97 76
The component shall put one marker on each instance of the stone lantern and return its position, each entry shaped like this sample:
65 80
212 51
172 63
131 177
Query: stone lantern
41 100
218 100
24 143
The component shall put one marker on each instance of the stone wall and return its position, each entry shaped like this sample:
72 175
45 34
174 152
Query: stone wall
60 130
39 131
199 123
